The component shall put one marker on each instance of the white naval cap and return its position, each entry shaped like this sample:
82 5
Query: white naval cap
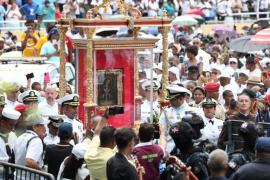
146 85
70 99
10 113
29 95
176 90
56 120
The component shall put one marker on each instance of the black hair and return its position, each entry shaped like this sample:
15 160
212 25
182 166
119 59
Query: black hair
225 93
192 49
250 59
200 89
146 132
35 84
250 93
72 164
106 136
182 134
29 21
123 137
49 26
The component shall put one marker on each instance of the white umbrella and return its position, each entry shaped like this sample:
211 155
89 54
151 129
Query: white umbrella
184 20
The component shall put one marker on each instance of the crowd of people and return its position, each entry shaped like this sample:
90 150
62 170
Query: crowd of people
209 86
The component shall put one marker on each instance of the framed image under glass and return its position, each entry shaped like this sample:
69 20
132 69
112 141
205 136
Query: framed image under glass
109 87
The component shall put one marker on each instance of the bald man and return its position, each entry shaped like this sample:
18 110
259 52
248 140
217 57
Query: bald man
49 106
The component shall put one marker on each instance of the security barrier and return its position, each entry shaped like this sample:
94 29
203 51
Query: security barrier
9 171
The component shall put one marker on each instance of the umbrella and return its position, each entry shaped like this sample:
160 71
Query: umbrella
196 11
223 28
244 45
261 37
184 20
199 18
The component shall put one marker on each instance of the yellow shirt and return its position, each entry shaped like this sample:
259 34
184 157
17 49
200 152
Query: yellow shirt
96 159
40 43
30 44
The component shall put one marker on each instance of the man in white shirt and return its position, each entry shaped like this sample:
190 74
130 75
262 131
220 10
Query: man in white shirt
55 122
8 121
29 147
150 105
12 96
69 106
49 106
251 66
202 56
173 114
213 125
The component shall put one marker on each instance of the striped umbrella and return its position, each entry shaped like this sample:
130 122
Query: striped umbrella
261 37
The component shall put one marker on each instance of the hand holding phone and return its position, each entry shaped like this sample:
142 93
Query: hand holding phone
29 76
47 77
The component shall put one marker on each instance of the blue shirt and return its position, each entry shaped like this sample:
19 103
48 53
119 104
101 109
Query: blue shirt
48 49
2 13
31 11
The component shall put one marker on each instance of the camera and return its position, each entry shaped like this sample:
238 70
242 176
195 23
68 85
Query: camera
29 76
116 110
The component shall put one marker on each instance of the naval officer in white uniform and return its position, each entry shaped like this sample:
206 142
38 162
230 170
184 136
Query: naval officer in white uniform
147 104
173 114
213 125
69 106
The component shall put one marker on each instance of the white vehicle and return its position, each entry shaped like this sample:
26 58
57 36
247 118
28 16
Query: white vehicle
16 69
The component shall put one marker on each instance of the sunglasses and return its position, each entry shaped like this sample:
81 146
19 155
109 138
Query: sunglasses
232 62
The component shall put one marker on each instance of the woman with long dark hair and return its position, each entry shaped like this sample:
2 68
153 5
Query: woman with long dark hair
73 167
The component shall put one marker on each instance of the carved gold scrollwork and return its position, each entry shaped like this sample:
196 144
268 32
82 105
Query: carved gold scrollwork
62 68
165 64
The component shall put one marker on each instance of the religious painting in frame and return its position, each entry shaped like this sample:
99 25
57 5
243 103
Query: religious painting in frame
110 87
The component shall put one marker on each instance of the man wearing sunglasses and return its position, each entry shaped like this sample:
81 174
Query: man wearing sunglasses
12 95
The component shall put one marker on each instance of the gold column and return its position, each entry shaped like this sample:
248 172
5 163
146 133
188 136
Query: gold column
62 68
165 65
89 63
136 31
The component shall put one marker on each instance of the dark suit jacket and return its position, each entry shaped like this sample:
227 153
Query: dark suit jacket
118 168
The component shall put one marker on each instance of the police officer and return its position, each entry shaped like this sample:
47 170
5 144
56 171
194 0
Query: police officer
69 106
7 137
55 122
147 103
29 146
213 126
172 114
